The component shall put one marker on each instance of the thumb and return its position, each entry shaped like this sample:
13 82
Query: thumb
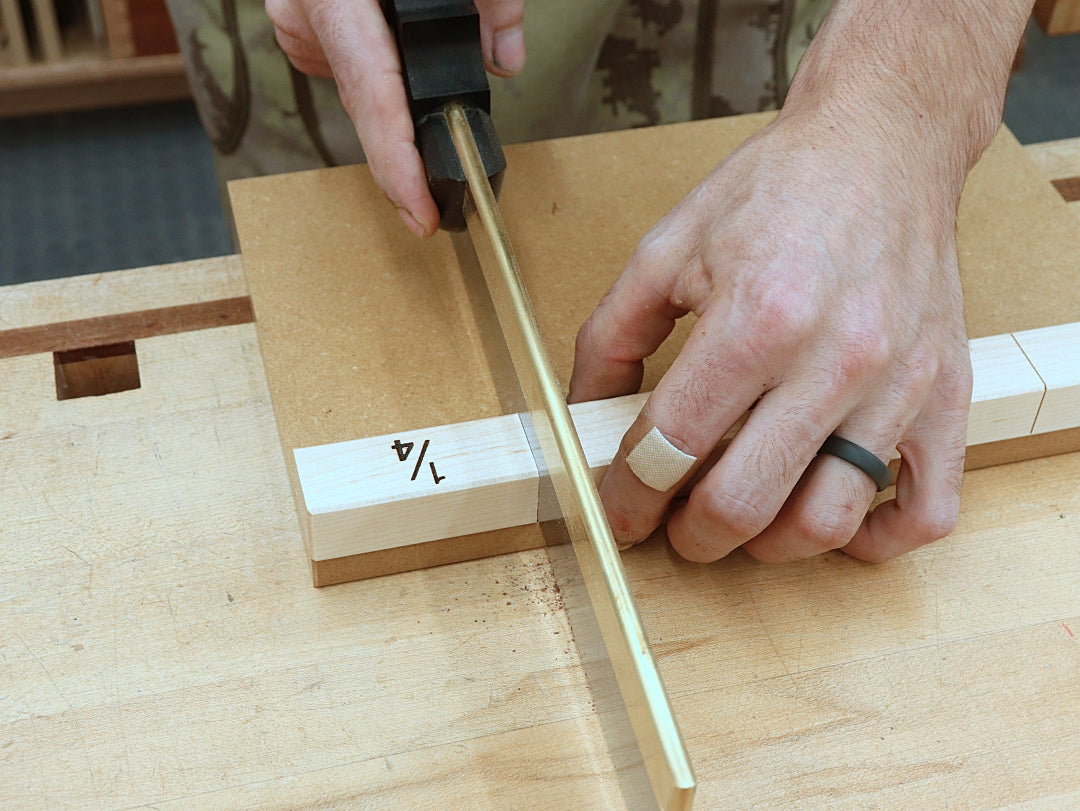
501 35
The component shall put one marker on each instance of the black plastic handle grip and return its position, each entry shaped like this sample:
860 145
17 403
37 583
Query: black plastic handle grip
441 61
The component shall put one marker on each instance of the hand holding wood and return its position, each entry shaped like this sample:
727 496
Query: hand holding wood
828 300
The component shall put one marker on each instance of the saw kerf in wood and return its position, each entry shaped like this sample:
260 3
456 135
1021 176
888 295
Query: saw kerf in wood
452 480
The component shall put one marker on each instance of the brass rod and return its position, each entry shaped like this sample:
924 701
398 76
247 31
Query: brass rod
651 717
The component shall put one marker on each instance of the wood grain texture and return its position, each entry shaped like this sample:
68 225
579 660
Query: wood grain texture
163 645
1006 390
1053 352
121 292
96 371
388 491
1056 160
404 333
107 329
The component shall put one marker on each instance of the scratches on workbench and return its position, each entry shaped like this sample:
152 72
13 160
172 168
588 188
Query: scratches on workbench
165 475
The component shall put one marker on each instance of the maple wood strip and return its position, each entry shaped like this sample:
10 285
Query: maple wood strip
359 496
1006 391
108 329
416 486
1053 352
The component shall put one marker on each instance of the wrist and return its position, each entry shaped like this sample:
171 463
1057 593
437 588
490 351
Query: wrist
923 82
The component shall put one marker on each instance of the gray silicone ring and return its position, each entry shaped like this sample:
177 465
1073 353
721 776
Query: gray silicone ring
859 456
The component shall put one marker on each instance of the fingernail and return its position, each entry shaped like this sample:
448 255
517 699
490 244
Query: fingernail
509 49
410 221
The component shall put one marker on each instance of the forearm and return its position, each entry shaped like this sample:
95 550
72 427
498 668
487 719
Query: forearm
928 76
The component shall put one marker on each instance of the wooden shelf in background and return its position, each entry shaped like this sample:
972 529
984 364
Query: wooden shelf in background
1058 16
82 84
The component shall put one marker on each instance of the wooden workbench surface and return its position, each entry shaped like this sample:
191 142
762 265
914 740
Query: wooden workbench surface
161 643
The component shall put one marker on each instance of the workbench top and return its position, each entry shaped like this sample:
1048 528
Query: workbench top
161 643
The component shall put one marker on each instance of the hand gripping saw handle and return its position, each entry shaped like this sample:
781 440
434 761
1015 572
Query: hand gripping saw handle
442 62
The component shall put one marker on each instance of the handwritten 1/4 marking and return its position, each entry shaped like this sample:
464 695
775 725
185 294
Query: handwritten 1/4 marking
403 449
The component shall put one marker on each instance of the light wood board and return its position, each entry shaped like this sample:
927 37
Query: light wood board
162 645
366 331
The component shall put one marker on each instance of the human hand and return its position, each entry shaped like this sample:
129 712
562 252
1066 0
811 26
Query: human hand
349 41
821 263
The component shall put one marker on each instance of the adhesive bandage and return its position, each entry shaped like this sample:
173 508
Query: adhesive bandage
658 463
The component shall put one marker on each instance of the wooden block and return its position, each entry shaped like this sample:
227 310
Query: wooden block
359 496
1006 391
1055 353
375 494
416 486
601 424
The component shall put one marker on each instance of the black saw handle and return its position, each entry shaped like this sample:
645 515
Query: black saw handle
442 61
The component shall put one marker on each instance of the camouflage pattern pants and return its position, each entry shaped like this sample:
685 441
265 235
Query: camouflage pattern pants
592 65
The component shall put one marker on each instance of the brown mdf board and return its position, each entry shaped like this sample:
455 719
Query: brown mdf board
366 330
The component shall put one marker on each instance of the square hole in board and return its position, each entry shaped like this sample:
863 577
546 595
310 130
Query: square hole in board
96 370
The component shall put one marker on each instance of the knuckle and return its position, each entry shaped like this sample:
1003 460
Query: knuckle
828 528
583 339
651 251
935 523
594 343
864 352
276 10
780 311
503 13
732 514
288 20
